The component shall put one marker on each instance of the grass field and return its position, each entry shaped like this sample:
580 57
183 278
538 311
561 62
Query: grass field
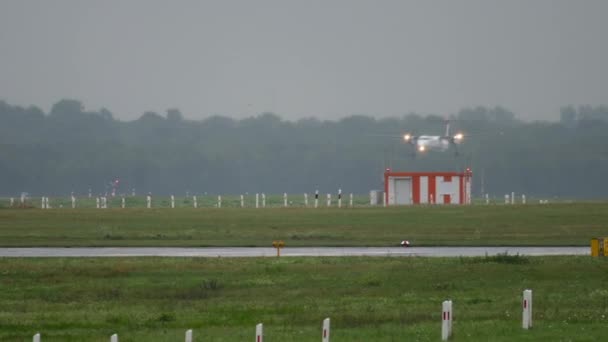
368 299
555 224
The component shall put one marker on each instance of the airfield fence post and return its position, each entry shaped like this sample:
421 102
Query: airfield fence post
523 199
12 201
97 202
527 309
259 333
172 202
149 201
36 338
446 320
350 201
73 202
242 201
219 201
487 199
257 200
114 338
104 202
512 197
316 198
122 202
285 199
305 200
506 198
42 202
189 335
325 334
263 200
339 198
329 200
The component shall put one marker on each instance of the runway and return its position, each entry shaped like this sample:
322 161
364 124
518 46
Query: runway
234 252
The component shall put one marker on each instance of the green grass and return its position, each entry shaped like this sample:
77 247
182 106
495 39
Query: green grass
479 225
368 299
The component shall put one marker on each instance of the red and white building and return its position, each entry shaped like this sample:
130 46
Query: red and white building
404 188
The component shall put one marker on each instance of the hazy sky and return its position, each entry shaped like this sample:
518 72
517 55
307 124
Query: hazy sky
322 58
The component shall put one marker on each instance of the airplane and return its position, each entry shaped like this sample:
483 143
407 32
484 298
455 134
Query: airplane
424 143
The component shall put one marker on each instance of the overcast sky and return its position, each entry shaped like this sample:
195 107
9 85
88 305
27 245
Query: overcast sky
322 58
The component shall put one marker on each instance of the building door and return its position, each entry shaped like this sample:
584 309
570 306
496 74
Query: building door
403 191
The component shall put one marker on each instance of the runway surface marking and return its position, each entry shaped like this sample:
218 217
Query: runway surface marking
288 251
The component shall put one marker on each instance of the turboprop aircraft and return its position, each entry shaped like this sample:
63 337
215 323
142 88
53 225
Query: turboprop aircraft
442 143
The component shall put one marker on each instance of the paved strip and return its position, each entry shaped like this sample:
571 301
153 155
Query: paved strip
288 251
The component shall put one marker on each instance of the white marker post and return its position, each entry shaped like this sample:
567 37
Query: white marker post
242 201
259 333
12 201
329 200
325 333
446 320
73 202
513 198
257 200
149 201
97 202
189 335
350 200
285 199
523 199
36 337
263 200
316 198
42 203
114 338
306 200
122 202
104 202
172 202
487 199
194 202
339 198
506 198
527 310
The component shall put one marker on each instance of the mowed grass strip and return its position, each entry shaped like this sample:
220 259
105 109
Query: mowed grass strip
368 299
479 225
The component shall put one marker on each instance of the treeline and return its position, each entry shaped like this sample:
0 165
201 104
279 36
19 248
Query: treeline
71 149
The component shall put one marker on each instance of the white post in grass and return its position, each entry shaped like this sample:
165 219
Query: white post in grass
506 198
12 201
122 202
350 201
189 335
36 337
257 200
114 338
527 310
97 202
339 198
316 198
446 320
90 193
219 201
523 199
325 334
259 333
42 202
487 199
73 202
285 199
513 198
306 200
172 202
149 201
263 200
329 200
104 202
242 201
194 202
